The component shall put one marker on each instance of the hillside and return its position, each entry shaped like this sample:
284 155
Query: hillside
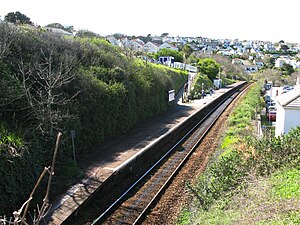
51 83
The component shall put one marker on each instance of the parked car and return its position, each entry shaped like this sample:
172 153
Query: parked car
288 88
267 98
271 114
270 103
271 108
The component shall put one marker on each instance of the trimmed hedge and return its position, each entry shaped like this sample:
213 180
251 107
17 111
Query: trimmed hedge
105 93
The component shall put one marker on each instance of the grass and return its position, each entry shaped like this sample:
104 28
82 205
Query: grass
263 201
286 184
252 182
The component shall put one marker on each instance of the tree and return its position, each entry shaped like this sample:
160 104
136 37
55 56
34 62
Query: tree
178 56
291 80
269 62
187 51
287 69
17 18
209 67
59 26
44 75
86 33
6 37
272 75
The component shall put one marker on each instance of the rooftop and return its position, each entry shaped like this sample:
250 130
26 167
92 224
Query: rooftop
290 99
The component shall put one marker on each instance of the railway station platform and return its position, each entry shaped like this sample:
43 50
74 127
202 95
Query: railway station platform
111 155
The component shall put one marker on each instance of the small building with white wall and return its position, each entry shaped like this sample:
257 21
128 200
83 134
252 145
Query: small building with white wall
288 111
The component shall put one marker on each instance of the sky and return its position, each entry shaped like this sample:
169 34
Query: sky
266 20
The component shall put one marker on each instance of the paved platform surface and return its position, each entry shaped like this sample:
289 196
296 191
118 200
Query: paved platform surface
111 155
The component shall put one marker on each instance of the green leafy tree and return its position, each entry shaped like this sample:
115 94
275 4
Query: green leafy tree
178 56
269 62
17 17
209 67
287 69
86 33
187 51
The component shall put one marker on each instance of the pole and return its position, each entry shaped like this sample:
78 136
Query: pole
73 145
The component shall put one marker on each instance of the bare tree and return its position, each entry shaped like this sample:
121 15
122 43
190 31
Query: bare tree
20 216
291 80
43 80
7 32
272 75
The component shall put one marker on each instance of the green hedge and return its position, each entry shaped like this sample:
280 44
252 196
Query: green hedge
108 93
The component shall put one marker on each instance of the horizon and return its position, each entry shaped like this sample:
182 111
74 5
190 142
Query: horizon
253 20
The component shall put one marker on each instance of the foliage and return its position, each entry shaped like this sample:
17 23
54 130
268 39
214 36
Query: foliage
17 18
197 86
178 56
287 69
244 157
285 183
269 62
184 217
209 67
53 83
187 50
86 33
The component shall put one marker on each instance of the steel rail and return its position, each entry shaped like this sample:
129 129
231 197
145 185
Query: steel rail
230 97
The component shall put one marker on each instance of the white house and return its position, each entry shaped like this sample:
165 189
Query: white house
167 45
250 68
58 31
151 47
136 46
258 63
288 111
114 41
279 62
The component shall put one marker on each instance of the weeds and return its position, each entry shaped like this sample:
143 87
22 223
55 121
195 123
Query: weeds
225 181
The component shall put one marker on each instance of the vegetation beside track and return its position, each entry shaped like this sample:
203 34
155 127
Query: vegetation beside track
50 83
250 179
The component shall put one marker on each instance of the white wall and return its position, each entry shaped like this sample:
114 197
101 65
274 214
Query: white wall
292 119
286 119
280 117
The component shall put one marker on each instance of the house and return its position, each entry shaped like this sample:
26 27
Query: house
237 61
136 46
167 60
250 68
258 63
114 41
288 111
58 31
151 47
279 62
167 45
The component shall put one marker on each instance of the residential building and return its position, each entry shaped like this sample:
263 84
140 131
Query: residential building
151 47
258 63
288 111
58 31
167 45
237 61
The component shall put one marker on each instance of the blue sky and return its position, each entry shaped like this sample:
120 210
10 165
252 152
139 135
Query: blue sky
269 20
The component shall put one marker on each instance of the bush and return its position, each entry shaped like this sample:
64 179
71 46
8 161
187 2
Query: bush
86 85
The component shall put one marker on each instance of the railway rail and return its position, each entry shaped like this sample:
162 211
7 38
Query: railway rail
132 206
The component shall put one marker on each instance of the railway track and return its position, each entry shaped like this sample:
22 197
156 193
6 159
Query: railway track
132 206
